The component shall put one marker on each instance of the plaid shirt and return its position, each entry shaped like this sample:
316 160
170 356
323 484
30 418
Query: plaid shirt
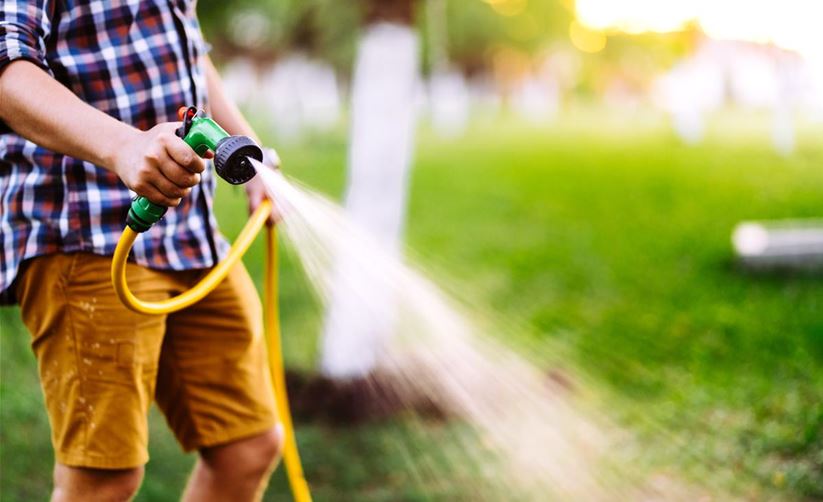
138 61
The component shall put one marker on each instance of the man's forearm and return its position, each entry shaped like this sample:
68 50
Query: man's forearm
222 107
41 110
154 163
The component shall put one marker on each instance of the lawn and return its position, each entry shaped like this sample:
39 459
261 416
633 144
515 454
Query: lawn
610 238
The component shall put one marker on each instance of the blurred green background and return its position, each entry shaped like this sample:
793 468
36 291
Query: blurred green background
594 225
615 243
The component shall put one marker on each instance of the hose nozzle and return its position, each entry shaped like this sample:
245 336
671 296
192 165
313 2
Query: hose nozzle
231 161
231 153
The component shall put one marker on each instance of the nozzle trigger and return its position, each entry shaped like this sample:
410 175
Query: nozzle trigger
186 116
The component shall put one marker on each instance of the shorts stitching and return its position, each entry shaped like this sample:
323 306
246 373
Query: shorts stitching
72 328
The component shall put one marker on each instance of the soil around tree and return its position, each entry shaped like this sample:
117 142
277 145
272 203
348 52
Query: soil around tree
376 397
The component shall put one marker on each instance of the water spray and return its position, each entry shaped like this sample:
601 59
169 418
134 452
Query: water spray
533 442
234 161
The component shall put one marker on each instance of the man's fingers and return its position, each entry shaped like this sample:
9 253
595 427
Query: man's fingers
153 194
256 197
181 153
179 175
273 219
275 216
169 189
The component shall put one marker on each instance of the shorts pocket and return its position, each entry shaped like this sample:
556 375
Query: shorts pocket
110 360
113 343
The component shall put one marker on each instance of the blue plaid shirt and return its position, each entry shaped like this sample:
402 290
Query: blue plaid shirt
138 61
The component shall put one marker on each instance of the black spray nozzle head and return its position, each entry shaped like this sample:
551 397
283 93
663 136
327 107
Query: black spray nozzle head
231 159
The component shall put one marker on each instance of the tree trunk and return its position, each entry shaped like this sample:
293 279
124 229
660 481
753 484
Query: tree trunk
384 92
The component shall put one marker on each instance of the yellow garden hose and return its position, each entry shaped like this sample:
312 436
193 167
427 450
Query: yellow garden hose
202 288
291 456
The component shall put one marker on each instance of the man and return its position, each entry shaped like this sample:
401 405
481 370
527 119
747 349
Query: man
89 91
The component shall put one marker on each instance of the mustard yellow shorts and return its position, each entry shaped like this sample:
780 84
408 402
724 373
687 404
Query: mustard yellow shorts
101 365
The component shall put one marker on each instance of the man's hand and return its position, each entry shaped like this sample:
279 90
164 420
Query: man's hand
158 165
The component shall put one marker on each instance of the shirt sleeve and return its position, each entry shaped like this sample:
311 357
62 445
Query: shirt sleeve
24 26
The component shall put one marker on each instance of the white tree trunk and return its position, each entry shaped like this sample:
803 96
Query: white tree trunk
384 96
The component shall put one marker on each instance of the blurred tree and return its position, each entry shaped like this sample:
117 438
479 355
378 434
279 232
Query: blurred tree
476 28
265 29
381 144
475 32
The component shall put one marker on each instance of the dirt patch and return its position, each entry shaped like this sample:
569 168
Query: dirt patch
376 397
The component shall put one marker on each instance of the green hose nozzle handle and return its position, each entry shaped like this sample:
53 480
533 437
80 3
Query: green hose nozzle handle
201 133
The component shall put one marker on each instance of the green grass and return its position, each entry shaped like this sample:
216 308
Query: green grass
610 240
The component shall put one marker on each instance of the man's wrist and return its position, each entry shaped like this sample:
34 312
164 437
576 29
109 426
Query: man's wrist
110 147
